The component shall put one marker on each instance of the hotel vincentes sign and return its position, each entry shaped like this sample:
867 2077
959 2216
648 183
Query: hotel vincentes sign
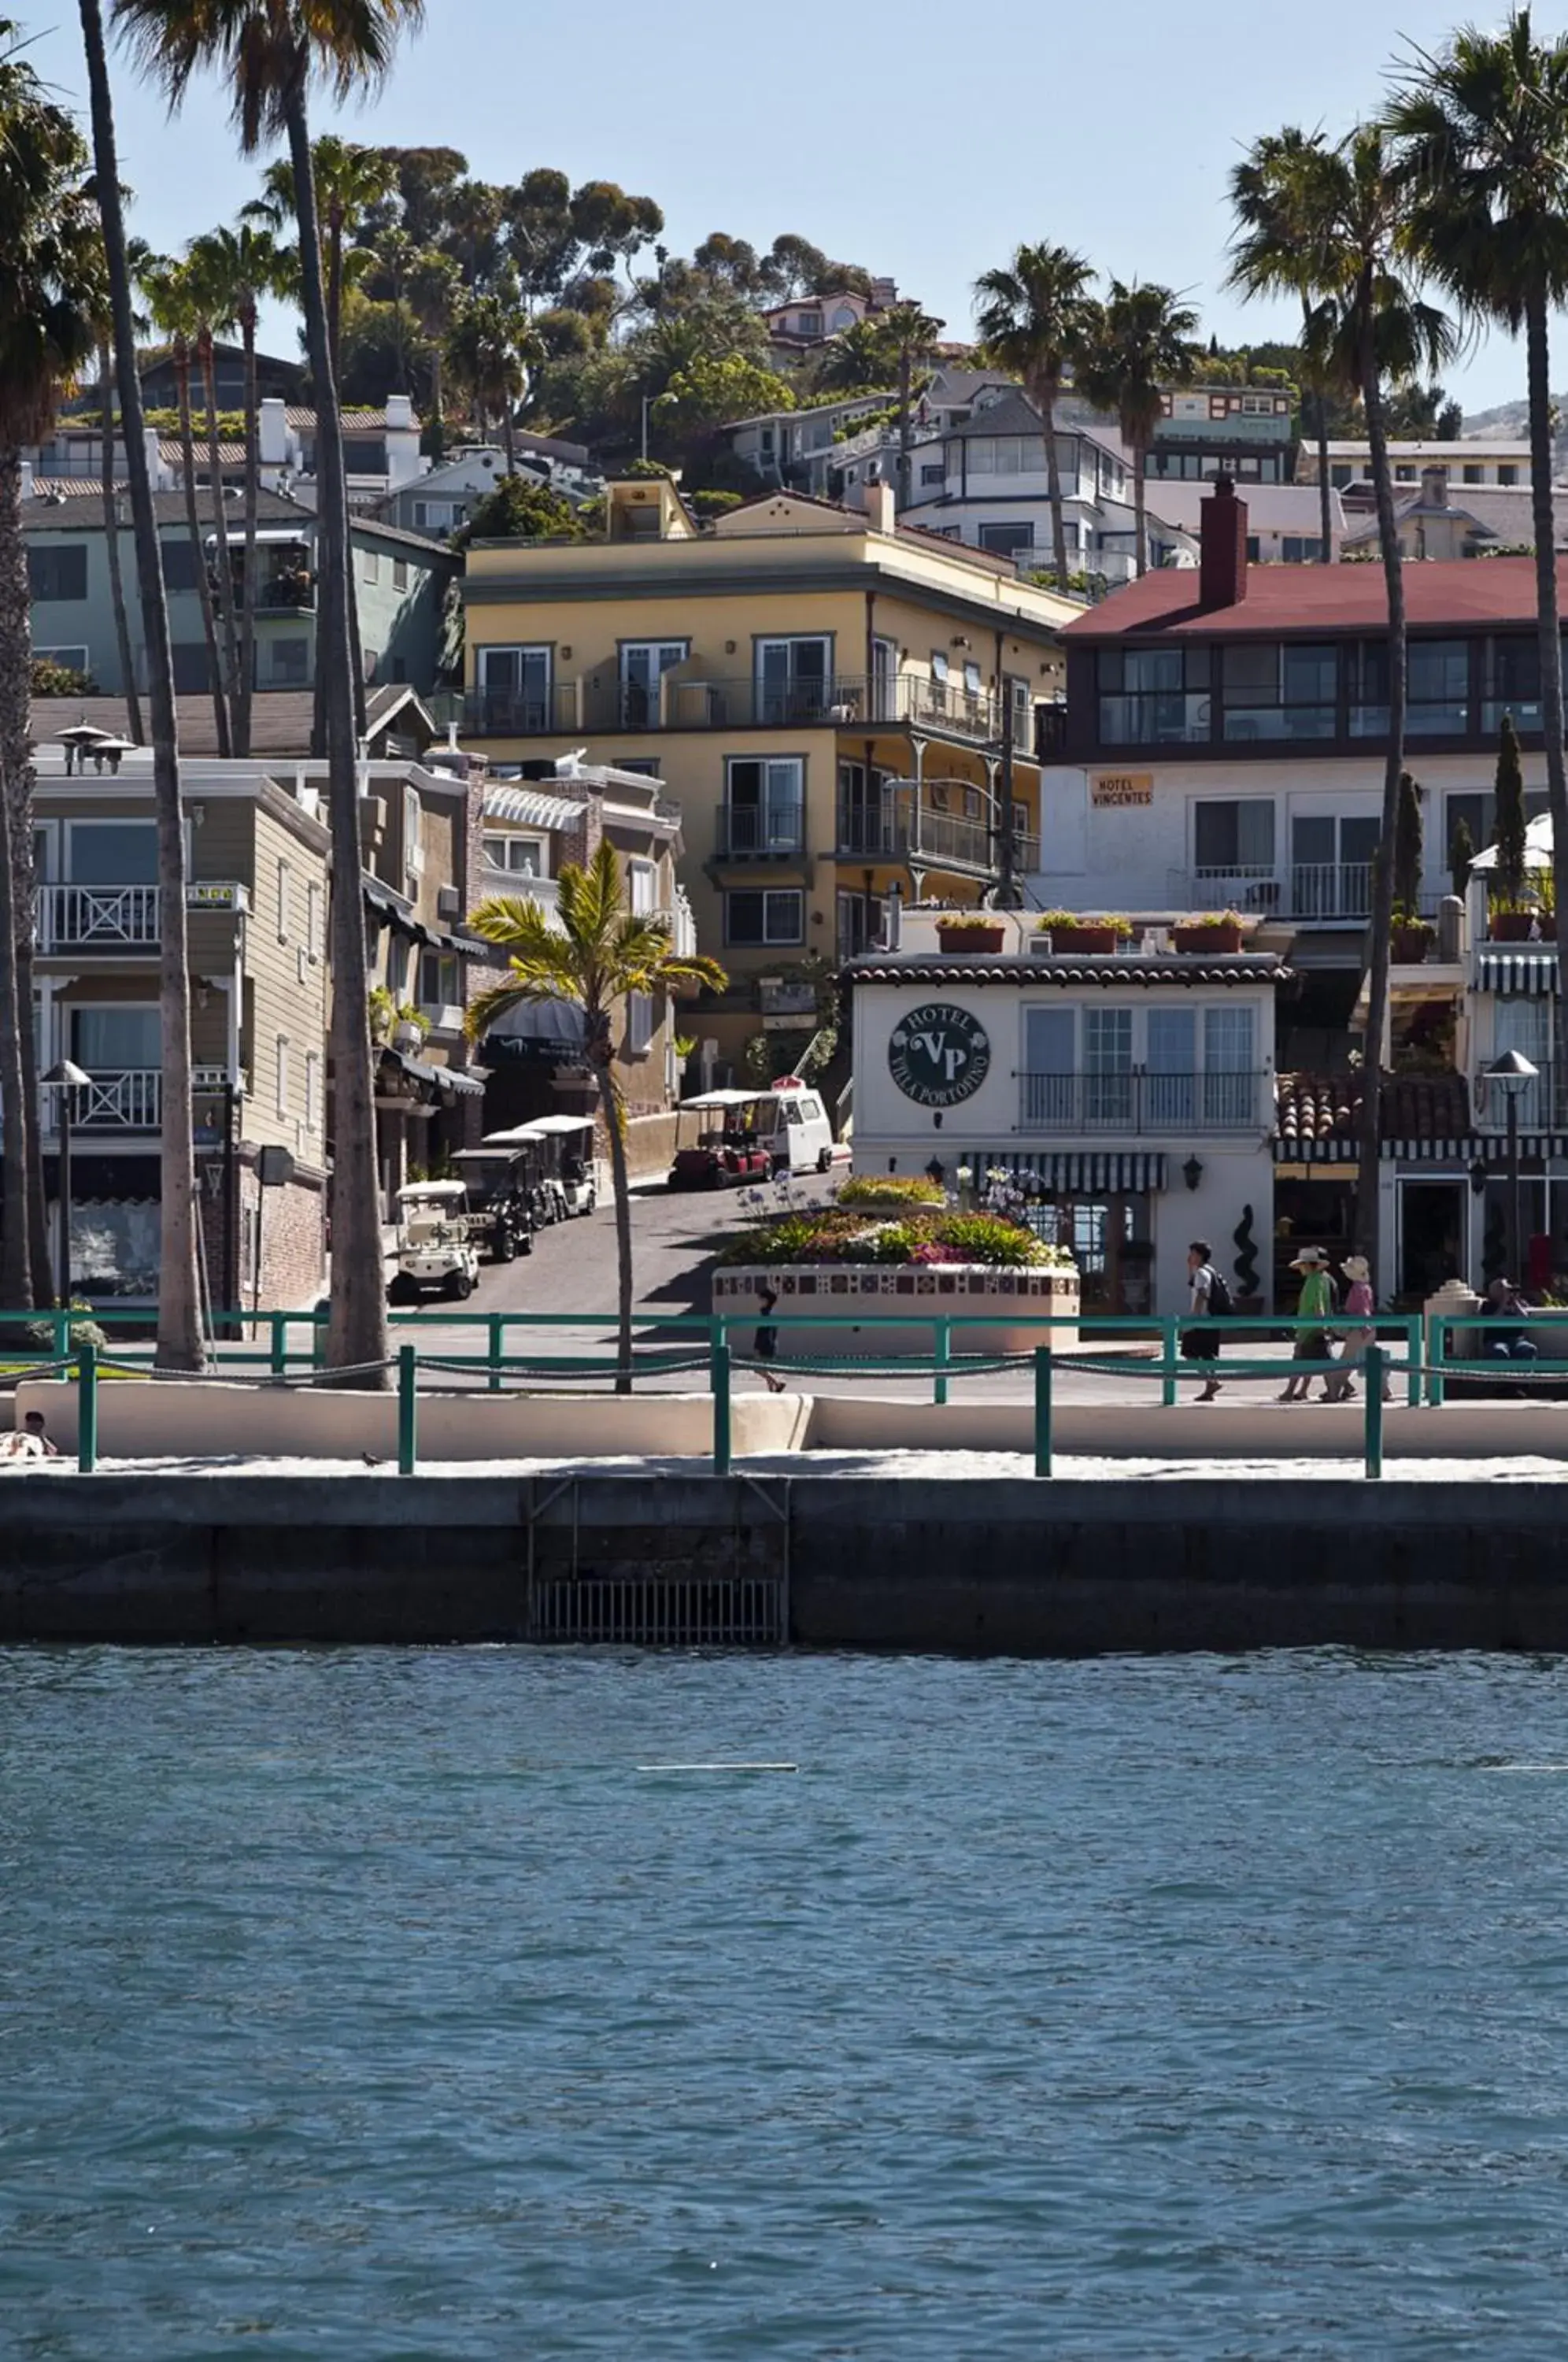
939 1056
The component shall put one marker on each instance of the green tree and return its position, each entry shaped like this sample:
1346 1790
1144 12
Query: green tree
709 393
242 267
488 353
1510 822
167 287
180 1344
51 296
1033 317
208 294
591 955
1481 142
1140 344
435 293
517 510
267 53
1461 857
1273 253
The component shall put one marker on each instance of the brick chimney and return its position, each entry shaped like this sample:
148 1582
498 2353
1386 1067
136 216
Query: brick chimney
1222 562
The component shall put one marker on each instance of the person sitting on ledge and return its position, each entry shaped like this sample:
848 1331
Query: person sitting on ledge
31 1440
1508 1344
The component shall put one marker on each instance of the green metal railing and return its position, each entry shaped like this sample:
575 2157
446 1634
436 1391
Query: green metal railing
1461 1345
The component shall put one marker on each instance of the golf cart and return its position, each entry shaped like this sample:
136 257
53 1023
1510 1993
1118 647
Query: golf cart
434 1253
751 1136
572 1163
501 1214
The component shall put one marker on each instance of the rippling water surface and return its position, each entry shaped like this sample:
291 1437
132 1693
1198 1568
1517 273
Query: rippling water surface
379 2006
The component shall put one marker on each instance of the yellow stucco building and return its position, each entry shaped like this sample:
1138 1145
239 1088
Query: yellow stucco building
837 704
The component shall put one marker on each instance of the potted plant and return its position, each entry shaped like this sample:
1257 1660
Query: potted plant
1070 931
410 1027
1412 939
1216 930
970 930
382 1010
1511 923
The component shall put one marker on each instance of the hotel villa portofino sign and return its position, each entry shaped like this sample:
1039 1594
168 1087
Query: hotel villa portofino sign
939 1056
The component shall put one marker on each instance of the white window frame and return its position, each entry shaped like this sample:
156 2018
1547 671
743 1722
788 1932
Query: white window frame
400 573
72 827
770 894
444 968
642 887
372 566
639 1023
75 659
283 884
312 1093
505 841
313 920
412 832
282 1076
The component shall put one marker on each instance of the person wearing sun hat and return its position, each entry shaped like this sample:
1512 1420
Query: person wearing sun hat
1316 1303
1359 1300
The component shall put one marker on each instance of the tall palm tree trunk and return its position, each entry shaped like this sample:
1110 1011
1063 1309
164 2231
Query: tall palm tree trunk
357 1330
198 553
17 1113
220 528
597 1028
1539 362
1319 400
906 424
179 1307
245 685
334 341
112 550
1368 1197
1045 404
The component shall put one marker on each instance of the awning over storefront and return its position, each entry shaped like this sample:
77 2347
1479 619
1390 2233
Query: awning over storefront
1077 1174
1531 970
445 1078
555 1025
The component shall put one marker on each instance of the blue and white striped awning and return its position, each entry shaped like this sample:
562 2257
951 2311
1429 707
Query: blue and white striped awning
1484 1148
1529 968
1074 1172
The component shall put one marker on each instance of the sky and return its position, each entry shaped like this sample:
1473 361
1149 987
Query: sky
904 135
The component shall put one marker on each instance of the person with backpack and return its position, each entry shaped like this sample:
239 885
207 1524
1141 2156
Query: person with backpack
1211 1300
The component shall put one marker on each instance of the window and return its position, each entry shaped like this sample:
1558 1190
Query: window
372 565
179 561
971 678
644 664
1152 697
312 1093
313 920
400 573
939 667
515 687
440 980
1232 840
1108 1066
1438 692
282 901
933 472
433 517
283 1077
1301 549
1474 475
1004 539
74 659
291 662
774 916
1274 691
765 805
793 680
1507 475
412 831
1513 684
639 1023
1404 475
1330 866
111 852
58 572
645 766
125 1039
642 883
521 856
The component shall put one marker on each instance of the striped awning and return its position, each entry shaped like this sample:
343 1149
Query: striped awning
531 808
1531 969
1482 1148
1074 1172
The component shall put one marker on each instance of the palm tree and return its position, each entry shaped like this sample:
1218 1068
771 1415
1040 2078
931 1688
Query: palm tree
179 1305
348 180
170 303
1140 345
1368 327
909 336
1033 318
489 352
1273 253
51 292
435 290
241 266
215 318
591 955
1482 147
266 52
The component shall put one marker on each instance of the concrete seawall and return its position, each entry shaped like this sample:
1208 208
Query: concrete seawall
995 1567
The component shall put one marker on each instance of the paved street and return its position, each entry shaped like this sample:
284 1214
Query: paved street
674 1238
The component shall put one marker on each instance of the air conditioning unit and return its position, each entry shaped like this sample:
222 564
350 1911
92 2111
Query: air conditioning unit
449 902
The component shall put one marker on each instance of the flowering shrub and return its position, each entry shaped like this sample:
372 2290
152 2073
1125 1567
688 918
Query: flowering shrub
835 1235
892 1192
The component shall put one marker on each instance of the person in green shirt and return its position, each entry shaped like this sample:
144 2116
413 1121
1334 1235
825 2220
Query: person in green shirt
1317 1304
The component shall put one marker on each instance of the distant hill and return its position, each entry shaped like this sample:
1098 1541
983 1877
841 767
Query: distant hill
1508 418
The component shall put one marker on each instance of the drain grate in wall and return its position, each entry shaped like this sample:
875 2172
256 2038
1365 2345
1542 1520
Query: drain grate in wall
642 1611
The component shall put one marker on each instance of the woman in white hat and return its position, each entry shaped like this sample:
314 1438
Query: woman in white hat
1317 1304
1358 1300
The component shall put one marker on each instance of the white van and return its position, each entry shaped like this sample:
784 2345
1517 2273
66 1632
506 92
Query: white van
802 1137
757 1135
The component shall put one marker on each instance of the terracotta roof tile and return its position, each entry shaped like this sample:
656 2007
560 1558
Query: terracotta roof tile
1256 968
1310 1108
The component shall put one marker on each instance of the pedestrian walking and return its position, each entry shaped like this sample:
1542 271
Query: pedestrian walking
1359 1300
1317 1304
1202 1344
766 1342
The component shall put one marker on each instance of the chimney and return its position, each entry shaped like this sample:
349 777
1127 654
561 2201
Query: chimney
881 506
272 432
26 489
1434 487
1222 566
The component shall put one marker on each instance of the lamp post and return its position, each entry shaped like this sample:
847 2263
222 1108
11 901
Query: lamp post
1513 1073
67 1079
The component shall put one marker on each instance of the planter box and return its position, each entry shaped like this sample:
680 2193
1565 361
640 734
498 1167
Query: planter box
1088 939
1410 945
1207 939
970 939
900 1291
1512 926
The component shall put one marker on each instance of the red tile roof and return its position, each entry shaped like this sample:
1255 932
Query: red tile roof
1310 1108
1457 594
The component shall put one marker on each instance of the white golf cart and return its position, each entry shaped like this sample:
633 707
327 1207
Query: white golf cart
436 1256
573 1163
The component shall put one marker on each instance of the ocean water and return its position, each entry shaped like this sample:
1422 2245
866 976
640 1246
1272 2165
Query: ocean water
381 2006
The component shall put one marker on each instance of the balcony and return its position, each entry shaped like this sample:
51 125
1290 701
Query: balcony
909 702
934 839
117 919
120 1100
1145 1106
521 886
1319 892
743 834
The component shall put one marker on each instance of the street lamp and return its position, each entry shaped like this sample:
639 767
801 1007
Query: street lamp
1513 1073
67 1079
